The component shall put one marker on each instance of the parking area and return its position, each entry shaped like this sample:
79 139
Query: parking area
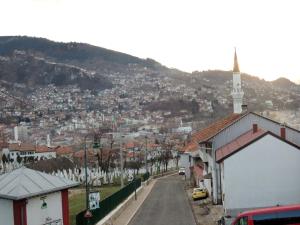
204 211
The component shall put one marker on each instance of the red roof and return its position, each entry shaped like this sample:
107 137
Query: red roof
22 147
238 143
64 150
44 148
190 147
80 153
210 131
129 145
214 128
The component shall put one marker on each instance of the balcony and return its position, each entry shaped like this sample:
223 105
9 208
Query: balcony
203 155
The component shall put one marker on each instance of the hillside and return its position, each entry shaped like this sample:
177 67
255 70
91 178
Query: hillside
144 84
91 57
30 72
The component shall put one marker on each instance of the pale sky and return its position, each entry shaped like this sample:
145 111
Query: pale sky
185 34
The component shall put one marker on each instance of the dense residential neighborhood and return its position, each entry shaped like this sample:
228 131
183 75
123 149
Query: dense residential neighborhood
227 140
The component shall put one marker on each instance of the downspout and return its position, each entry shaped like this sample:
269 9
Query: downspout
214 173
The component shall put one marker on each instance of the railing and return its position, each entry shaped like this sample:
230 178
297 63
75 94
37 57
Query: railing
108 204
145 176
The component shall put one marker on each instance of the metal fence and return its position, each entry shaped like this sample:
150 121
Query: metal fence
108 204
145 176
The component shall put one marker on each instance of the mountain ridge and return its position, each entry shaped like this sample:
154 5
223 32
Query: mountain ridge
27 63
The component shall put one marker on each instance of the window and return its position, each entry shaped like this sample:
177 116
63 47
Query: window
280 218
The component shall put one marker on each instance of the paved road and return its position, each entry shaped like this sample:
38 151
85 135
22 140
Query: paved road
167 204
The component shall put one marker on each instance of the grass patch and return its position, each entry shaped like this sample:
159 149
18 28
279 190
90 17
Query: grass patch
77 199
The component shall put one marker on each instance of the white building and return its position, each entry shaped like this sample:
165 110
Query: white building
224 131
258 169
20 133
33 198
28 150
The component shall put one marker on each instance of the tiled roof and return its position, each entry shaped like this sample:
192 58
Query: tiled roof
238 143
44 148
21 147
190 147
64 150
80 153
214 128
129 145
209 132
24 183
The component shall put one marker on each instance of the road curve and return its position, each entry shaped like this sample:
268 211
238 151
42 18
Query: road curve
167 204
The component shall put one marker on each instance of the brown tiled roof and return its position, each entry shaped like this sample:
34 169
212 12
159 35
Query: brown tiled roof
190 147
21 147
214 128
209 132
44 148
129 145
80 153
64 150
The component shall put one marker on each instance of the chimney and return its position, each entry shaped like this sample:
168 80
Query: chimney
254 128
282 132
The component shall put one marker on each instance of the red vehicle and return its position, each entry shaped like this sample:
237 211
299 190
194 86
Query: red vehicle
279 215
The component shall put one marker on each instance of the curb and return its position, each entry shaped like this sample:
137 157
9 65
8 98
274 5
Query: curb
109 218
114 214
138 208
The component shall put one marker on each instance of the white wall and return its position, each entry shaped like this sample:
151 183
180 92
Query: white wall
265 173
38 216
184 162
6 212
239 127
47 155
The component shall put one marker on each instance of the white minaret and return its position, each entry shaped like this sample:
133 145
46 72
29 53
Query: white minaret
237 92
16 134
48 141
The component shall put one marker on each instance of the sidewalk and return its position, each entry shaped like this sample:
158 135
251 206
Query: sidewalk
204 211
123 214
130 211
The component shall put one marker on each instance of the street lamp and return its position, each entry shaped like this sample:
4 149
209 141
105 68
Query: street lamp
121 161
88 213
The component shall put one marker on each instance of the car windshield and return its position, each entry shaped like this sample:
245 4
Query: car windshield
198 189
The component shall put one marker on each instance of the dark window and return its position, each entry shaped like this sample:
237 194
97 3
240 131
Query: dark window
280 218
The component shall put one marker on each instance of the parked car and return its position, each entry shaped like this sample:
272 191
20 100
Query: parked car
278 215
181 171
199 193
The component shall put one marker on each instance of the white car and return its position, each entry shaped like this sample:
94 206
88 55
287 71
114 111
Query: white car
181 171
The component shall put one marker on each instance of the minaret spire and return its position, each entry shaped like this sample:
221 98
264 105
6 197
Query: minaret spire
237 92
236 68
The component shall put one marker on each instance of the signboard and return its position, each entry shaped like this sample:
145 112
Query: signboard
44 203
94 199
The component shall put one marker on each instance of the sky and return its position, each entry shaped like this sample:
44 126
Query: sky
188 35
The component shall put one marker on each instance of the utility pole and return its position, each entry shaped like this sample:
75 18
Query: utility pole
88 213
86 174
146 153
121 159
